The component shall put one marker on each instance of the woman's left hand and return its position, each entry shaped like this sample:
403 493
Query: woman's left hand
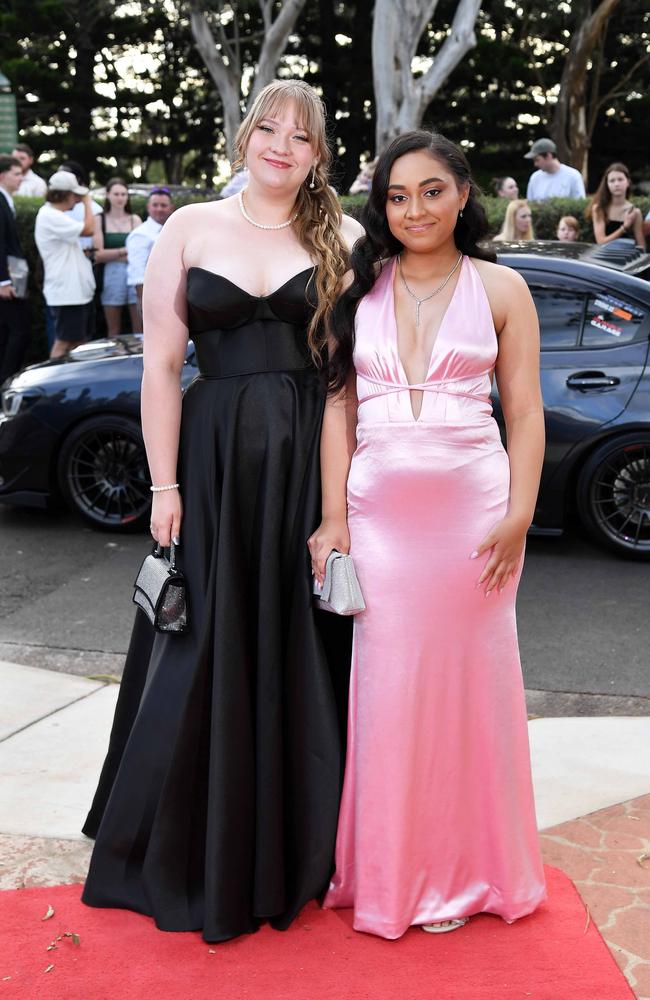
506 539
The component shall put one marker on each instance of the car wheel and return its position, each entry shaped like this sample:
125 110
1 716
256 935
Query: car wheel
103 473
614 494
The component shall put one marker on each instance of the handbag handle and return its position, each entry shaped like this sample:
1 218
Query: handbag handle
158 552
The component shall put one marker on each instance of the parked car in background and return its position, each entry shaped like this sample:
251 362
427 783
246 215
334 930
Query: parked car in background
71 428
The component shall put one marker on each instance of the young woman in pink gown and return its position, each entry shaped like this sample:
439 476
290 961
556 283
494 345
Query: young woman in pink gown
437 820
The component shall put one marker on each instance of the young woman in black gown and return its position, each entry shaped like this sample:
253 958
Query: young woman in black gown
218 801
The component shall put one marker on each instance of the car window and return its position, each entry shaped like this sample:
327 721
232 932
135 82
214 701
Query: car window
611 320
560 316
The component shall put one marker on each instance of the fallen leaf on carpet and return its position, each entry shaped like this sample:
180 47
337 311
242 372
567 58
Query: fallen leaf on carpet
50 913
641 859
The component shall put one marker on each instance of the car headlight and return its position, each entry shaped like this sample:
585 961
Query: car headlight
17 400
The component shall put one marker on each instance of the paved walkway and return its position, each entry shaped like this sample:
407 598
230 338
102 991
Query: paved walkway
591 776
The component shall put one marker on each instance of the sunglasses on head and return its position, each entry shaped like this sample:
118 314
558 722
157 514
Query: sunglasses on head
160 190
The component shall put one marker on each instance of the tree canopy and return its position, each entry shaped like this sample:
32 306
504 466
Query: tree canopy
123 88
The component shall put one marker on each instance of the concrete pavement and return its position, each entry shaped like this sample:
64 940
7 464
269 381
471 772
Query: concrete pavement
591 778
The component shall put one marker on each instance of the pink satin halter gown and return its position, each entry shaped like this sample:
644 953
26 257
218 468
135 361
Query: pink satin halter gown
437 819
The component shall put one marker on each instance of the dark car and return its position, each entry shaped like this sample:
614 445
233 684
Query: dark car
71 427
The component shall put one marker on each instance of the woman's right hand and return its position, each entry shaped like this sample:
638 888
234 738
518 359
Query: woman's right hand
166 517
332 533
630 216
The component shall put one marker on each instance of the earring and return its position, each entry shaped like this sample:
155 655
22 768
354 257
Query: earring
312 185
460 214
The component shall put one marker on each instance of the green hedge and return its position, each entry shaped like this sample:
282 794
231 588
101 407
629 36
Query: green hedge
545 218
546 214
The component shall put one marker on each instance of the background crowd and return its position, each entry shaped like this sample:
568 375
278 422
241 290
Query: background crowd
93 251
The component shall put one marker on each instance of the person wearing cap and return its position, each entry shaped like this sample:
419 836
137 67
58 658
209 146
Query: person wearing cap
551 178
140 241
69 283
87 243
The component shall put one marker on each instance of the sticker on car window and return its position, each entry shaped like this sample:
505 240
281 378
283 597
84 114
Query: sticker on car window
602 324
618 308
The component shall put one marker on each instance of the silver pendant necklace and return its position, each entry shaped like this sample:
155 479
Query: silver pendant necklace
418 302
262 225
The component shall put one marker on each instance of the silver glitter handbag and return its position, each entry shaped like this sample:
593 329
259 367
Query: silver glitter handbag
161 591
340 592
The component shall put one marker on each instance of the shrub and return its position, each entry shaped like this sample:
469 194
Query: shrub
546 214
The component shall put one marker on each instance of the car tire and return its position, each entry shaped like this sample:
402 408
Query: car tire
613 494
103 473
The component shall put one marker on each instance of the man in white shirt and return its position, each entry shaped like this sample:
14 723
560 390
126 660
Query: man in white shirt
140 241
551 179
69 284
86 243
31 186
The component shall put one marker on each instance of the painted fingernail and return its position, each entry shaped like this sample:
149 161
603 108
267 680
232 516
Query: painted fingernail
176 540
473 555
487 593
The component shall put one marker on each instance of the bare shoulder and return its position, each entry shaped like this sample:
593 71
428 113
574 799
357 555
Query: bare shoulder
505 288
188 220
351 230
499 276
202 210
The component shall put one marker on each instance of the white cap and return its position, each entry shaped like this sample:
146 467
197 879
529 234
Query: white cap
64 180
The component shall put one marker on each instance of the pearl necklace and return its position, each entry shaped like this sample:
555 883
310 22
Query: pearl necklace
418 302
262 225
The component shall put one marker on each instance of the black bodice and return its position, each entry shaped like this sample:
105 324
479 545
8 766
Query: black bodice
612 226
236 333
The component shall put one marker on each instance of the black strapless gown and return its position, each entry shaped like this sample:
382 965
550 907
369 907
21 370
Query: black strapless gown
218 801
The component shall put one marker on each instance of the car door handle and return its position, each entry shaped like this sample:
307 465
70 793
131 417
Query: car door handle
591 380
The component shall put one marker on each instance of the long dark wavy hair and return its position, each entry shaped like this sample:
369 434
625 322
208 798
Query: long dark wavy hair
379 243
602 197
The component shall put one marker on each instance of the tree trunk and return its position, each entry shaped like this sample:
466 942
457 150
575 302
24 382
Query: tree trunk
276 36
223 63
402 99
77 143
226 75
569 125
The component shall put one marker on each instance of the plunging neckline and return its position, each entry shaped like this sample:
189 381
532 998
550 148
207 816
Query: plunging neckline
250 295
414 386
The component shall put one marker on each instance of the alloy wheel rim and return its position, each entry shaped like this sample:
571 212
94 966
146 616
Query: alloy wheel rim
108 478
620 497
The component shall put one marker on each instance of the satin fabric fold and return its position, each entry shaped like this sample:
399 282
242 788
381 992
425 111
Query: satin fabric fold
437 819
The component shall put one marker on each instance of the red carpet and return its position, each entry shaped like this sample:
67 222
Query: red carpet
121 956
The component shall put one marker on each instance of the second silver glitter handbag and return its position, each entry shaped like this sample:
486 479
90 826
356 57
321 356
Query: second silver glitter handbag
340 592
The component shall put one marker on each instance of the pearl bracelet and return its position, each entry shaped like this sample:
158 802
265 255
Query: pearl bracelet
161 489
